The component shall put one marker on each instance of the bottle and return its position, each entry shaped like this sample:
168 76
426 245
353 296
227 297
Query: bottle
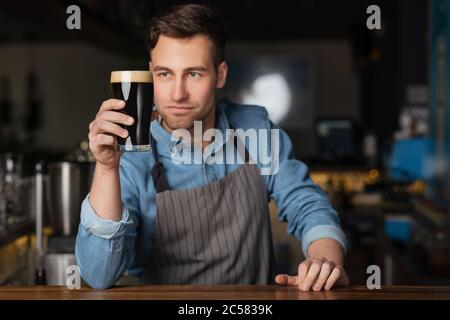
40 277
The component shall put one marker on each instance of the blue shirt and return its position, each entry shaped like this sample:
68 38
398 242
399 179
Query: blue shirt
105 249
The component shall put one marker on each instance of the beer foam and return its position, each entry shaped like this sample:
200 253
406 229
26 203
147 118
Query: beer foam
131 76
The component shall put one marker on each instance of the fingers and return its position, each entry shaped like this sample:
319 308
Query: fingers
325 272
311 276
334 276
111 104
104 126
316 275
117 117
106 120
286 280
303 270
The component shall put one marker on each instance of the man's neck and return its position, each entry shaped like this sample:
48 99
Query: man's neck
208 122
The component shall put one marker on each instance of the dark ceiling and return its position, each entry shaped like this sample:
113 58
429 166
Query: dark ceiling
120 25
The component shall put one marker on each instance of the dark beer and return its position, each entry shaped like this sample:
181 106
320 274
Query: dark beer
136 89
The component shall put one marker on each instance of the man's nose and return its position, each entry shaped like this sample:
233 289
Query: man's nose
179 91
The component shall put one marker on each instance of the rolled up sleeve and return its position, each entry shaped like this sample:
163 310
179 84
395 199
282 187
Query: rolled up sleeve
323 231
103 228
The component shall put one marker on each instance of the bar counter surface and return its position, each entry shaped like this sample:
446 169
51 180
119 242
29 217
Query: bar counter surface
223 292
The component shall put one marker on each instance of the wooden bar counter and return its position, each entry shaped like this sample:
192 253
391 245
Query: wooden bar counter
164 292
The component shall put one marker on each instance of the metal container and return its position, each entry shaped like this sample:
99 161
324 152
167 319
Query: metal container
69 184
30 199
56 265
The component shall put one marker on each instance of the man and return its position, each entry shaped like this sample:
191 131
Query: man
209 222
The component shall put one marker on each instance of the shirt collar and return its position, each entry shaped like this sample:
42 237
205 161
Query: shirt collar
165 143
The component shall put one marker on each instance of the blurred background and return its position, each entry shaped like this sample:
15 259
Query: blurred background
367 111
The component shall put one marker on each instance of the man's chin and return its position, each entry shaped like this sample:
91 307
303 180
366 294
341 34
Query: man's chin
174 124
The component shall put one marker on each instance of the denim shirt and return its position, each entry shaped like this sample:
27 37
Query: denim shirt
105 249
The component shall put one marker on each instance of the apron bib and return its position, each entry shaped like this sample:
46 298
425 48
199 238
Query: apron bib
219 233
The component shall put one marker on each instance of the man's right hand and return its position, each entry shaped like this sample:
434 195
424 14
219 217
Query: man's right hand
103 131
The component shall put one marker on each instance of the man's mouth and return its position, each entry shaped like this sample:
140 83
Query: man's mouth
179 109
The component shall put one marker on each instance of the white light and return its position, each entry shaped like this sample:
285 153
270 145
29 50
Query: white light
271 91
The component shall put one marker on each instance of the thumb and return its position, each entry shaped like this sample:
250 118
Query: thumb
286 280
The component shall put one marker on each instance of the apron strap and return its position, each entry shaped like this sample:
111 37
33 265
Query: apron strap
158 175
237 142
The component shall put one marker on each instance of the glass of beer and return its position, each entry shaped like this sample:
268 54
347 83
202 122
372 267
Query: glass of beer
136 89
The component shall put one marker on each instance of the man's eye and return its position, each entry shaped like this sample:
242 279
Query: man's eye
194 74
163 74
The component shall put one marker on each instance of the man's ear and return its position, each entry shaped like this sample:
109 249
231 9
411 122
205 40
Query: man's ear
222 72
150 65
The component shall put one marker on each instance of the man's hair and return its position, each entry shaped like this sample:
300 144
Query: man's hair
184 21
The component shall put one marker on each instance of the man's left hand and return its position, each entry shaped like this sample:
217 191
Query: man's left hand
315 274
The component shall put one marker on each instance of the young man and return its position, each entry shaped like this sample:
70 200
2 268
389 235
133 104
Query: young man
212 226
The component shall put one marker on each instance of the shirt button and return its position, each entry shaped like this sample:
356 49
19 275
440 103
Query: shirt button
210 172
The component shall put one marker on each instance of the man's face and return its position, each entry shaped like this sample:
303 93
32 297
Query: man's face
185 79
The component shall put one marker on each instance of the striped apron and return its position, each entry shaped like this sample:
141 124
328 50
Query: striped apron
219 233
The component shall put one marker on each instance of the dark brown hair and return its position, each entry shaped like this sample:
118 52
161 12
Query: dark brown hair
184 21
